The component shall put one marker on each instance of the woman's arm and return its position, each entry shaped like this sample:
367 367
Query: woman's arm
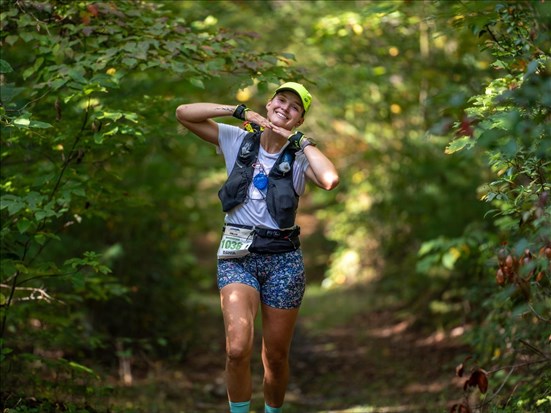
321 170
197 117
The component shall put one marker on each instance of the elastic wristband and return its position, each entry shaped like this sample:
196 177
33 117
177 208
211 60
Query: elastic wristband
240 112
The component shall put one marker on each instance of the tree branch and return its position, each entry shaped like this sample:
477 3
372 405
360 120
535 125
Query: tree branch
34 294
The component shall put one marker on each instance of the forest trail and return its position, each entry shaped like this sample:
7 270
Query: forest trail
372 361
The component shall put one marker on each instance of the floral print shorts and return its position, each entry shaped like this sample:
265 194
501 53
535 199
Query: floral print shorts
279 278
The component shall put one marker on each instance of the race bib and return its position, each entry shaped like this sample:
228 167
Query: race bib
235 242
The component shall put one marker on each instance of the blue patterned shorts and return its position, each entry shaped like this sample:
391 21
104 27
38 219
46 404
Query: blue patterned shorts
279 278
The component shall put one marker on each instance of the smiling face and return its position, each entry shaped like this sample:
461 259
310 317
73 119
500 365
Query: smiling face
285 110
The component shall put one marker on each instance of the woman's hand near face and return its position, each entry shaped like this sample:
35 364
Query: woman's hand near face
254 117
279 130
260 120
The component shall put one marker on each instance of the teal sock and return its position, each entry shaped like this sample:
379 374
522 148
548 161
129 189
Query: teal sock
270 409
240 407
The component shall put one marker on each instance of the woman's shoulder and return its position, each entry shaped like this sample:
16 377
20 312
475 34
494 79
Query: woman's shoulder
226 130
230 137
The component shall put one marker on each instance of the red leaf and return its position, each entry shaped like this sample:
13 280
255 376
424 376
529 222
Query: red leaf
471 381
478 378
93 9
482 381
465 127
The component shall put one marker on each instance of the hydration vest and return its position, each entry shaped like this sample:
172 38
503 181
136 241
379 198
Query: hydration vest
281 197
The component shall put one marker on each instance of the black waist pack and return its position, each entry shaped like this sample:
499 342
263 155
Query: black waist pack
274 241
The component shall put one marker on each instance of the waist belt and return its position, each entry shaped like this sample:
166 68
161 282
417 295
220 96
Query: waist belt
271 233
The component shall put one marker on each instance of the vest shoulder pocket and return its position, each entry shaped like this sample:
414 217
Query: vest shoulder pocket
282 204
234 191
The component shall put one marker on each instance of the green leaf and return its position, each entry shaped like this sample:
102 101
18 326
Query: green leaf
5 350
39 125
7 268
40 215
80 367
27 37
57 83
8 92
77 76
131 116
459 144
489 137
506 120
23 122
89 89
98 138
428 246
12 39
111 132
197 82
13 203
215 65
5 67
33 69
499 64
532 67
40 238
105 81
450 257
23 225
34 199
178 67
129 61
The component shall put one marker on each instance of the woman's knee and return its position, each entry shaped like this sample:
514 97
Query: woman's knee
275 358
238 351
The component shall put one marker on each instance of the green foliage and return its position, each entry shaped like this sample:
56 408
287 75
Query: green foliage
109 211
508 123
92 223
397 188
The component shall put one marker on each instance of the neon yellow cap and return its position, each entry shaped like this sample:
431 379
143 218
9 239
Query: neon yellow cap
300 90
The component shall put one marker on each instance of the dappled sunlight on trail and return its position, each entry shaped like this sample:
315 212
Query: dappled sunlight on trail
350 355
375 364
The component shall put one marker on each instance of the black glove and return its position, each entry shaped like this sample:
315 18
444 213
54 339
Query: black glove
298 141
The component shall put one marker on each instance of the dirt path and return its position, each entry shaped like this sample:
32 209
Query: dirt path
374 362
